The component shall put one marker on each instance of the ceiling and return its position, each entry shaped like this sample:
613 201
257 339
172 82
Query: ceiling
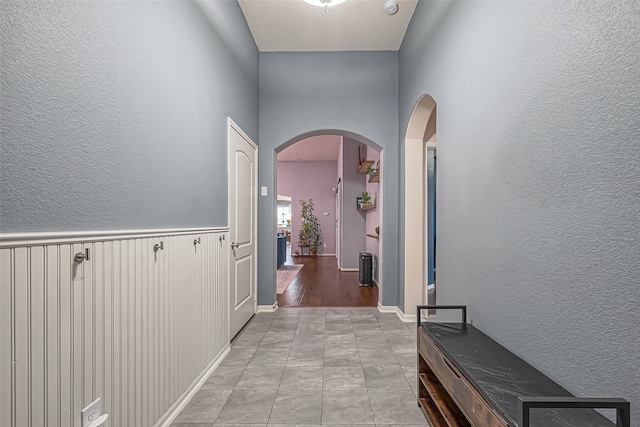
355 25
314 149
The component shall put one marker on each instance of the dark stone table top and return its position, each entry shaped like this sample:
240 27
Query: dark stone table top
501 377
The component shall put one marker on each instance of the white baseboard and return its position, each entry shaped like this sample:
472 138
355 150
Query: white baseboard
407 318
183 401
387 308
267 308
350 269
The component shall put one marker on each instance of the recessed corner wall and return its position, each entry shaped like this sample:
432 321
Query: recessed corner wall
538 183
344 93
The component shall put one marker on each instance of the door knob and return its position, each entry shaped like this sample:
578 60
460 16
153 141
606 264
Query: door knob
235 245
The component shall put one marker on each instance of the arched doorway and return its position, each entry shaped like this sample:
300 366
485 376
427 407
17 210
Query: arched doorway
419 208
343 239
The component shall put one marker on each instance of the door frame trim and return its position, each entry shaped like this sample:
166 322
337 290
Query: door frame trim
232 125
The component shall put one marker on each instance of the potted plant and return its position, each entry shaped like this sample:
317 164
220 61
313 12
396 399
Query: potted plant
304 235
310 229
371 171
366 198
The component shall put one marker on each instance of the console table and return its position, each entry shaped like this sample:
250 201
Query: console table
465 378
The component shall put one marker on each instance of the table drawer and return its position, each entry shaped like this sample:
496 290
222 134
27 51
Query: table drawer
475 408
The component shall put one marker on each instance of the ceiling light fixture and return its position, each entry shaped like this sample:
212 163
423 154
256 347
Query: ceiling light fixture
324 3
390 7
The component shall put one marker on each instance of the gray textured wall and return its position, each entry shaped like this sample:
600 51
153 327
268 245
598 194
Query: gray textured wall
354 222
350 93
114 113
538 178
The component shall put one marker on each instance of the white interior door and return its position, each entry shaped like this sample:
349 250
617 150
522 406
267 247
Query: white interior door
243 156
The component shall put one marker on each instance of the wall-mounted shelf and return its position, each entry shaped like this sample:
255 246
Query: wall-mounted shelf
362 167
375 176
375 236
366 207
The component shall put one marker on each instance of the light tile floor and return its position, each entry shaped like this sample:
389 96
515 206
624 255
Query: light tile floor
313 367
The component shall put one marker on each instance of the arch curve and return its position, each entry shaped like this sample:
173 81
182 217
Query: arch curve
352 135
422 116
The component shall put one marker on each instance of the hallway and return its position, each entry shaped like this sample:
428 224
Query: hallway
118 248
313 366
321 284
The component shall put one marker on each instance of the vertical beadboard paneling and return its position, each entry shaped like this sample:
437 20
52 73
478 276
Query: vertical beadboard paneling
77 339
124 302
138 336
165 296
52 320
86 286
98 319
115 410
147 343
130 325
21 313
130 380
37 340
108 337
97 254
64 335
6 336
148 367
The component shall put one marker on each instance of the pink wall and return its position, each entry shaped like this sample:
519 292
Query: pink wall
311 180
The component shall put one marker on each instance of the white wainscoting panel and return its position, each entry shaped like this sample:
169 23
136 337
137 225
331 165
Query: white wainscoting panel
130 325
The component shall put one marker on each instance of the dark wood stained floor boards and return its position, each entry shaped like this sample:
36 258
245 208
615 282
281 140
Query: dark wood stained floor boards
321 284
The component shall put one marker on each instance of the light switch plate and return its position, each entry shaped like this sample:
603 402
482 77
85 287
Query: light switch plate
263 190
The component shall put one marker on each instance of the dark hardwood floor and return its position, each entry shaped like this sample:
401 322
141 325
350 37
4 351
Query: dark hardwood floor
321 284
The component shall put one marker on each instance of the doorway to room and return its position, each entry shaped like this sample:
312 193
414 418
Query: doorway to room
420 279
323 172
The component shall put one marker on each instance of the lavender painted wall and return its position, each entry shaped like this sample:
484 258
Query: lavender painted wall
311 180
373 216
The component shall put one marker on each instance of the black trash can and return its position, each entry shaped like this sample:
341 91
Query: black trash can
366 269
282 251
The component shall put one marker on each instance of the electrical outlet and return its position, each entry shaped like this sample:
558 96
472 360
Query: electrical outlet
324 245
92 415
